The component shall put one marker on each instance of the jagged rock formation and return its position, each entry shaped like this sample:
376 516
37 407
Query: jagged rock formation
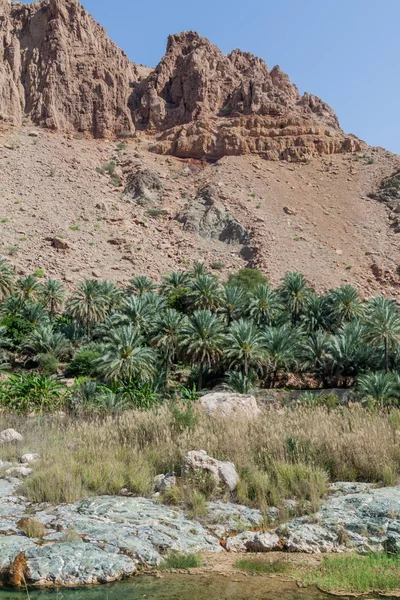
206 216
388 191
144 187
58 68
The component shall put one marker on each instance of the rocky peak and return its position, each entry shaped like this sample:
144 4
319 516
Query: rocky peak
58 67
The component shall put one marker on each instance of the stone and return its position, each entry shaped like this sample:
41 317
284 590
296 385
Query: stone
76 563
223 473
207 217
60 244
289 211
10 435
29 458
164 482
249 541
228 404
22 471
144 187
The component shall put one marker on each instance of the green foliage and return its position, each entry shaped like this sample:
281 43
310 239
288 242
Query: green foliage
31 392
247 279
82 364
355 574
261 565
178 560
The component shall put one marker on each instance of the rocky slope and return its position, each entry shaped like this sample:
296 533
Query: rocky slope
77 206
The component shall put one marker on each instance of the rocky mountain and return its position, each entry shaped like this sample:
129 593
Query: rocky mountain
59 69
207 157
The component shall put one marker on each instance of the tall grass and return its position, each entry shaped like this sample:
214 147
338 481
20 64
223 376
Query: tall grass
357 574
292 454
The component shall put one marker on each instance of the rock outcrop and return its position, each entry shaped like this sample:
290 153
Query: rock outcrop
207 216
58 68
228 404
197 463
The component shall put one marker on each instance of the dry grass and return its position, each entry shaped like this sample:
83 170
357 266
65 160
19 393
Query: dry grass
288 455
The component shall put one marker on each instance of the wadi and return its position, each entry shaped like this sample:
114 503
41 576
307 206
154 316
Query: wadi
199 325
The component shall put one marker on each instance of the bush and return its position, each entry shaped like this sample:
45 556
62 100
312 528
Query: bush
82 364
247 279
31 392
48 363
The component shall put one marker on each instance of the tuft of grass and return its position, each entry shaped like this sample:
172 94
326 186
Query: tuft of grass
12 250
156 212
53 172
74 227
4 220
260 565
355 574
39 273
32 527
217 266
178 560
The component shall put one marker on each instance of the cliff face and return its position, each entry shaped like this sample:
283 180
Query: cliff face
68 74
58 68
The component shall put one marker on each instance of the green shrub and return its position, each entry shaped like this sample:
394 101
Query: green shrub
39 273
247 279
31 392
178 560
156 212
82 364
48 363
217 266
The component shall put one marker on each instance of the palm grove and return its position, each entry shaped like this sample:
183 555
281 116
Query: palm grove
135 347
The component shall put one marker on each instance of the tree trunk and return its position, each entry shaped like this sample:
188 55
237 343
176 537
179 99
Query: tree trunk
386 355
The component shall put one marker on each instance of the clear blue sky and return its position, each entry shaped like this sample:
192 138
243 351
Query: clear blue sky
345 51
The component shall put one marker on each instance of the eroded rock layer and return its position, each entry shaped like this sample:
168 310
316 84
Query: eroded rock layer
58 68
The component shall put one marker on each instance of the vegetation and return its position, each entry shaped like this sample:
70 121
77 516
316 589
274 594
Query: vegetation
178 560
355 574
261 565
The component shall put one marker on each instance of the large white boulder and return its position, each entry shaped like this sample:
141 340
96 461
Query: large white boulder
228 404
10 435
224 473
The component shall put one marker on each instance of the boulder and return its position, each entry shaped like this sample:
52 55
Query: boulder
22 471
10 435
224 473
228 404
249 541
144 187
164 482
207 216
29 458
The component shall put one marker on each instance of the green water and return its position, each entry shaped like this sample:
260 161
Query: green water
181 587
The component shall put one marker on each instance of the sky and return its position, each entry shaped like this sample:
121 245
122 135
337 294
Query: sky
345 51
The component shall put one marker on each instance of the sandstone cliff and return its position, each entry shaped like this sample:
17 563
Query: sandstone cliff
58 68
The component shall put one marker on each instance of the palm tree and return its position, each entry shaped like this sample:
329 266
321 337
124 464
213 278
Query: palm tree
382 329
204 293
43 340
350 355
111 293
294 292
318 313
166 335
199 268
203 340
382 388
125 356
52 296
315 354
141 285
234 303
87 305
29 287
34 314
139 312
264 305
6 279
174 287
346 304
280 345
244 345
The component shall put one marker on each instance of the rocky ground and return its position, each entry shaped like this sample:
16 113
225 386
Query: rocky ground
58 213
106 538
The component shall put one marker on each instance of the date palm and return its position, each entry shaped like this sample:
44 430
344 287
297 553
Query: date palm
141 285
125 356
43 340
87 305
204 293
264 305
174 288
166 335
382 329
7 281
294 292
280 345
203 340
244 345
234 303
52 296
28 287
346 304
382 388
112 294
